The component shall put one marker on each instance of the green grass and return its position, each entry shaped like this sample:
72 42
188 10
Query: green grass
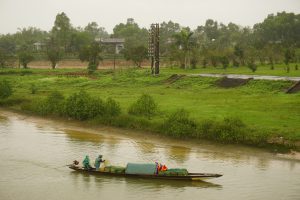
260 104
279 70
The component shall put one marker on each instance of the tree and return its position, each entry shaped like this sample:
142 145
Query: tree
25 55
79 39
239 53
28 36
184 44
95 31
288 56
136 54
211 29
62 30
91 53
251 54
251 64
167 31
54 52
281 28
225 61
7 49
136 40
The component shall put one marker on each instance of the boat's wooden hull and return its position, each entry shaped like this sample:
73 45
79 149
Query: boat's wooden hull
189 177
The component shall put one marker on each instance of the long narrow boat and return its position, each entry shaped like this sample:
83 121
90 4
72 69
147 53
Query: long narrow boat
189 177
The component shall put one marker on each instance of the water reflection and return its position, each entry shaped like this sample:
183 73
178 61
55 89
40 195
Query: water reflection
179 154
141 183
146 147
239 156
83 136
3 118
4 124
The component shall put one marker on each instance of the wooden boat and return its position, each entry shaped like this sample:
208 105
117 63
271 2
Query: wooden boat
189 177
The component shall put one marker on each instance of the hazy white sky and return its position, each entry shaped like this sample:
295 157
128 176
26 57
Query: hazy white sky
107 13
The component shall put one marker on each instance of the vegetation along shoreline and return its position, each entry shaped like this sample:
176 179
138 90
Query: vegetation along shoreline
255 113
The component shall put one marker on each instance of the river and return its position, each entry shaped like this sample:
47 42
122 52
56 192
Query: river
34 153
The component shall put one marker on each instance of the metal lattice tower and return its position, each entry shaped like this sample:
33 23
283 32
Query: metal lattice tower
153 48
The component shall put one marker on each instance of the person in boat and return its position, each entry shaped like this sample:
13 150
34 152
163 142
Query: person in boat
86 163
98 162
160 167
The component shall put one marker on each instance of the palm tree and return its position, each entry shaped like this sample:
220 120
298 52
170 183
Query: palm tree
184 43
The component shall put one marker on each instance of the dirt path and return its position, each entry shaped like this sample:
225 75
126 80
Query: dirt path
257 77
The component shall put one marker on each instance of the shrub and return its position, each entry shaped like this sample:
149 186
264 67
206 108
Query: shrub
205 129
112 107
145 106
251 65
225 61
5 89
179 124
15 100
82 106
230 130
33 88
55 103
204 63
52 105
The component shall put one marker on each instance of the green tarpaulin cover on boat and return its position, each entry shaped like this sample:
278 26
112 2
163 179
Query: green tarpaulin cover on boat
115 169
135 168
174 172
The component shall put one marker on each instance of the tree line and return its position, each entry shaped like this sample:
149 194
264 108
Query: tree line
275 40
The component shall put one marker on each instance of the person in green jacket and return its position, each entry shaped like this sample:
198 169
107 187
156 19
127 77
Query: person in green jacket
86 163
98 162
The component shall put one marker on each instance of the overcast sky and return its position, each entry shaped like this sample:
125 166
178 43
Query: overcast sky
107 13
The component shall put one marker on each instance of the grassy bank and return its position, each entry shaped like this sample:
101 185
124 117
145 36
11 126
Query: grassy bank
279 69
256 113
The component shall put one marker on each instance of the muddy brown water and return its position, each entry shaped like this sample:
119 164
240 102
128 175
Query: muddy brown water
34 153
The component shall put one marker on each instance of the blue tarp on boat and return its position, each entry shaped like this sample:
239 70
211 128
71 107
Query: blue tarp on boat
135 168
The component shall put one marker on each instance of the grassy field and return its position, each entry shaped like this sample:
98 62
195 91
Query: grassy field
279 70
70 65
261 105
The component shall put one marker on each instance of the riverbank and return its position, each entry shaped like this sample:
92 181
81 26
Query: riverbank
258 113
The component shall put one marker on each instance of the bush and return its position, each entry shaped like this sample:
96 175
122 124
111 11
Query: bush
112 107
33 88
179 124
52 105
235 63
55 103
5 89
230 130
15 100
225 62
82 106
144 106
251 65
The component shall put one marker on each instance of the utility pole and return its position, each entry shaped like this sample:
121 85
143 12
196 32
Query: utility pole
153 48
